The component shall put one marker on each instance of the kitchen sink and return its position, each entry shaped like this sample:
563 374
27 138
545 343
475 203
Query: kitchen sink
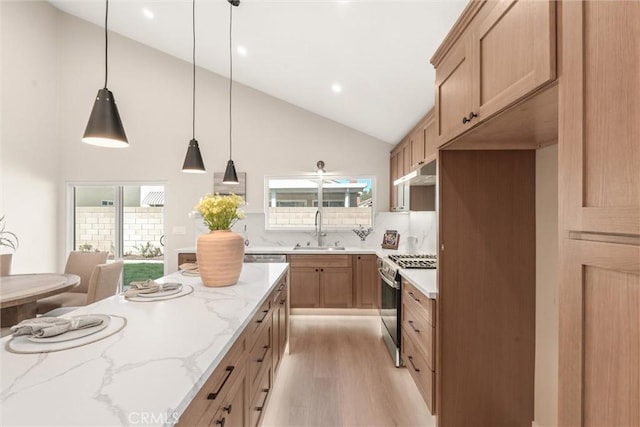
319 248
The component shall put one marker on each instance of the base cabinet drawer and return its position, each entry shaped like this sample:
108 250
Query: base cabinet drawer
211 396
419 302
260 356
419 330
420 371
259 399
232 411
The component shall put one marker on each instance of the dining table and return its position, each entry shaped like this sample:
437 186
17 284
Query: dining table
19 293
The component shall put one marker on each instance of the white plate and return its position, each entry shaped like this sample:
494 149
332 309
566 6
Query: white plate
161 293
190 273
78 333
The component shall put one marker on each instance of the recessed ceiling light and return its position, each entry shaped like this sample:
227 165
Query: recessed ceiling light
146 12
336 88
242 51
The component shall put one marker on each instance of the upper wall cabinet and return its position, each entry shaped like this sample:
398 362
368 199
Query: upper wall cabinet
498 53
422 142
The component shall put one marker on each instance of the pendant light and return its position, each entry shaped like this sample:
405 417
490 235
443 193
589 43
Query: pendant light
230 175
105 128
193 160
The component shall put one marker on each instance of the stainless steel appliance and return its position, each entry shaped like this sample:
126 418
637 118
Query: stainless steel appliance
391 296
265 258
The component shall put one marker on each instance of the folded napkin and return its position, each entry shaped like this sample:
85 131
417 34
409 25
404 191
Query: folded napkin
42 327
149 287
189 266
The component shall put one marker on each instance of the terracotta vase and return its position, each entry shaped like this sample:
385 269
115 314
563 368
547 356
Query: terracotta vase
220 256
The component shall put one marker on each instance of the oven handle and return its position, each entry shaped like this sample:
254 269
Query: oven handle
389 282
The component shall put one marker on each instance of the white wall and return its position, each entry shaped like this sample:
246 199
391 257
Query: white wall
29 150
546 376
153 93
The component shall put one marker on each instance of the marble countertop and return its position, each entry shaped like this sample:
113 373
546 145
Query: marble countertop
288 250
148 373
423 279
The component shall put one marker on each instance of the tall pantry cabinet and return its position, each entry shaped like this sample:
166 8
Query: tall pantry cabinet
599 208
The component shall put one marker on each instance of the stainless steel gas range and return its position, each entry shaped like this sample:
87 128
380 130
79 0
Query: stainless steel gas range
391 296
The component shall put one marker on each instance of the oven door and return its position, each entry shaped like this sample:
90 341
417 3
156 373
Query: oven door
389 307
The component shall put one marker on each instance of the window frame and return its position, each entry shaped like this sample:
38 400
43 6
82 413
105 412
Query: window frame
319 198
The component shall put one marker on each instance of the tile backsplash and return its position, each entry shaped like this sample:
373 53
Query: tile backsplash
421 225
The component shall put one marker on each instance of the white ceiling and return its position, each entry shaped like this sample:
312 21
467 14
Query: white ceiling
377 50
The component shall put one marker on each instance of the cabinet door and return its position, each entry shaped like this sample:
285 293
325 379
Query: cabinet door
393 175
514 53
599 363
430 141
233 412
406 162
416 143
366 283
336 287
454 98
599 130
305 291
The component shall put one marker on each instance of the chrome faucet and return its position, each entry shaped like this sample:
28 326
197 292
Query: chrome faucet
318 233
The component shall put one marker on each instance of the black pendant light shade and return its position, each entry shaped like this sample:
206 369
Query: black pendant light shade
105 127
193 160
230 175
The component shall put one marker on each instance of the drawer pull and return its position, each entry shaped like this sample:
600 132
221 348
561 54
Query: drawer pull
266 350
282 301
215 394
412 365
410 322
221 422
227 409
281 288
466 120
266 312
261 407
414 297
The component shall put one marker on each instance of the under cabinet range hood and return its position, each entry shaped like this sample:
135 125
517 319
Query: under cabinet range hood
416 190
425 175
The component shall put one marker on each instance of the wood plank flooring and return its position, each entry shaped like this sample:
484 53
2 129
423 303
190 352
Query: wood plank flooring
339 373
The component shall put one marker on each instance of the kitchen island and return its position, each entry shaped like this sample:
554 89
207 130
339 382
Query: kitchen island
146 374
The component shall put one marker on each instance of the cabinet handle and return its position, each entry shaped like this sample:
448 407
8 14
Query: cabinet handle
471 116
421 162
282 301
221 422
266 312
266 350
261 407
412 365
215 394
281 288
414 297
410 322
227 409
316 270
322 269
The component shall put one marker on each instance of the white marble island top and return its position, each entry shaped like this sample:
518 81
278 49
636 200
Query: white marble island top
146 374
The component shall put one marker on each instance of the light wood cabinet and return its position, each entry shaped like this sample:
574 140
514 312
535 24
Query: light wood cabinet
501 52
236 392
366 284
393 175
599 206
323 281
416 143
423 141
418 340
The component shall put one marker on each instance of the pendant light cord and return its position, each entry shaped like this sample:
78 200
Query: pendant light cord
193 106
106 44
230 73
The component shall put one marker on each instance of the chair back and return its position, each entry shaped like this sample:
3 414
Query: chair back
104 281
82 264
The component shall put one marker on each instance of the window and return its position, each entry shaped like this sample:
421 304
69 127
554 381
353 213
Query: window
291 203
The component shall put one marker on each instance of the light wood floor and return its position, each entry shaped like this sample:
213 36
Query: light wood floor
339 373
